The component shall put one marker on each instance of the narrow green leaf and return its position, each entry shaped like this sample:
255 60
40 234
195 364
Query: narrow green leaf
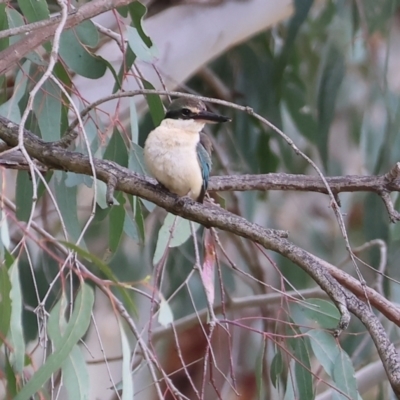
118 82
47 108
276 368
136 159
322 313
130 227
302 369
289 394
134 121
11 379
126 65
24 195
302 8
10 108
67 203
34 10
325 349
181 232
75 329
155 104
74 373
344 377
127 382
117 221
333 70
294 96
267 160
16 334
137 11
78 58
87 33
4 43
103 267
116 149
139 48
139 218
5 302
14 19
259 370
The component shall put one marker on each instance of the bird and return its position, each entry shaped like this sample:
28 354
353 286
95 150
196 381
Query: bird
177 153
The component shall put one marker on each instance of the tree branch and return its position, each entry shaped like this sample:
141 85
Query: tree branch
127 181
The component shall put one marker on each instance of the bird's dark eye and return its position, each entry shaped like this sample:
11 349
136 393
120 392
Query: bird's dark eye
186 112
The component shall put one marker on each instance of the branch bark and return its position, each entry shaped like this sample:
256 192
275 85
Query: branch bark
127 181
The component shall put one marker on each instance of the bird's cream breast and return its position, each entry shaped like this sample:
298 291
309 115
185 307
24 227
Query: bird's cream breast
171 157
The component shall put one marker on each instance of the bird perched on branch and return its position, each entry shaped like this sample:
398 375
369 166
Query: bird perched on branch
177 153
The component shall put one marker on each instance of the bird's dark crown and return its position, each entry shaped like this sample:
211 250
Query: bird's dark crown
186 108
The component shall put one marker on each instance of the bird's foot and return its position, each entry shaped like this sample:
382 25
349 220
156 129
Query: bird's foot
181 200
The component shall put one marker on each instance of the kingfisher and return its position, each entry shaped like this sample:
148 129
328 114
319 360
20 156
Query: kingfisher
177 153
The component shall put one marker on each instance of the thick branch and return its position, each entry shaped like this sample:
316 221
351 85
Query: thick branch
213 216
275 181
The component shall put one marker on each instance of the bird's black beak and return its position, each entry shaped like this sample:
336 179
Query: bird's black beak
210 117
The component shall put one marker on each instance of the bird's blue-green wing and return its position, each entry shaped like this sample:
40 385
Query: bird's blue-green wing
203 155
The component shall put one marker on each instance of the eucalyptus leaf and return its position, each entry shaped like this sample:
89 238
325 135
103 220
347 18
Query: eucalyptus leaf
75 329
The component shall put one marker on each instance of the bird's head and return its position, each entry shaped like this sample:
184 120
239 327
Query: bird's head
193 109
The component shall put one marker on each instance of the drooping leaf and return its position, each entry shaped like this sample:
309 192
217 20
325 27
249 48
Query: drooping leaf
116 149
131 228
137 11
16 335
10 108
47 108
324 348
4 43
323 312
139 218
34 10
75 329
139 47
259 369
67 203
78 58
300 112
344 377
5 302
180 234
117 221
75 376
155 104
134 121
136 160
24 196
11 379
14 19
127 382
276 368
302 369
333 70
